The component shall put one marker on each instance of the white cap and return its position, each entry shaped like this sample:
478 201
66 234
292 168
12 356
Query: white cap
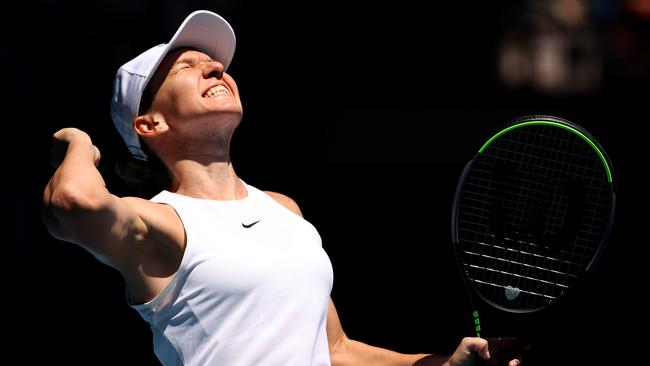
202 30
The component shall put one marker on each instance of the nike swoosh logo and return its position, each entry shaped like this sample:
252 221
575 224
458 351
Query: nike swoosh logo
250 225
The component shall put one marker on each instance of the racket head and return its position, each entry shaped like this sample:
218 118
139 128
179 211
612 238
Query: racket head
532 212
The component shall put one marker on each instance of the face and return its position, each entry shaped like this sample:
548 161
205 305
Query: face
192 93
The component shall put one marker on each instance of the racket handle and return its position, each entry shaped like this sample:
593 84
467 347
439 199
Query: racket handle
504 349
477 323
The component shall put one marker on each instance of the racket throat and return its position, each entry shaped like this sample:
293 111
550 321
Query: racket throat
477 322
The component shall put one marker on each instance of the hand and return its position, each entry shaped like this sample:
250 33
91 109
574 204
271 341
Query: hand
472 349
62 139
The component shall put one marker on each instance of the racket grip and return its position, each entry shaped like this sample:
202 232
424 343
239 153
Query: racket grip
504 349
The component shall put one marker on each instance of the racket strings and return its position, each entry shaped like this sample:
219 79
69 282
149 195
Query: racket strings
522 244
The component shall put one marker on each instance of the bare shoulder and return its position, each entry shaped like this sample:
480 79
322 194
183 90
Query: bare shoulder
147 207
160 219
285 201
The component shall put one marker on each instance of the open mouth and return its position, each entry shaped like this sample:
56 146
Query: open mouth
216 91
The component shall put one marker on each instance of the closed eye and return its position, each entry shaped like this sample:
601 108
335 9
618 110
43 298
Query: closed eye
178 68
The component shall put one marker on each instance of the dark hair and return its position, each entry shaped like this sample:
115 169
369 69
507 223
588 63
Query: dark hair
142 178
149 176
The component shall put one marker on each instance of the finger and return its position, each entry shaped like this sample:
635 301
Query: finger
485 353
514 363
480 345
97 155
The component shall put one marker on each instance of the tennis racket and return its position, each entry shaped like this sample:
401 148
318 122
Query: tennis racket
531 214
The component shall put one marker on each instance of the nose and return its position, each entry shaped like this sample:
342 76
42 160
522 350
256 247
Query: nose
212 69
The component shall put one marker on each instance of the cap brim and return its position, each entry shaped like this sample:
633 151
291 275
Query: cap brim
208 33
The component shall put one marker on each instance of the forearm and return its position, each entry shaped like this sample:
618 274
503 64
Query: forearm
350 353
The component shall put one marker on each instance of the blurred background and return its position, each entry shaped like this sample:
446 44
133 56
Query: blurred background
365 114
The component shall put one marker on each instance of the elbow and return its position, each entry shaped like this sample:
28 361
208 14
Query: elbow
339 355
64 199
62 204
58 202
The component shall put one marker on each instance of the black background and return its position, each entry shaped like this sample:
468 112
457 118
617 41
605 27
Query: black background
365 115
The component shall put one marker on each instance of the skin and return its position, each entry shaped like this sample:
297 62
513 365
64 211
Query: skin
189 126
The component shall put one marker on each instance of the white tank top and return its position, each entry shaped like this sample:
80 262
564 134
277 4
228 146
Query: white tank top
252 287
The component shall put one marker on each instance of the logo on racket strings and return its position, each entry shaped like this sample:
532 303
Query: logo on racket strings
511 292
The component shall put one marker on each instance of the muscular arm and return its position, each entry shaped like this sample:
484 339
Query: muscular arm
78 208
345 351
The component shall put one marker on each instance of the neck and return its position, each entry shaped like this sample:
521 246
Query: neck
215 180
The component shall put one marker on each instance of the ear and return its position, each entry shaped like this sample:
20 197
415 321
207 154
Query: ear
149 125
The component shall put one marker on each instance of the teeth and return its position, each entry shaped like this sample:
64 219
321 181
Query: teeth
216 90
